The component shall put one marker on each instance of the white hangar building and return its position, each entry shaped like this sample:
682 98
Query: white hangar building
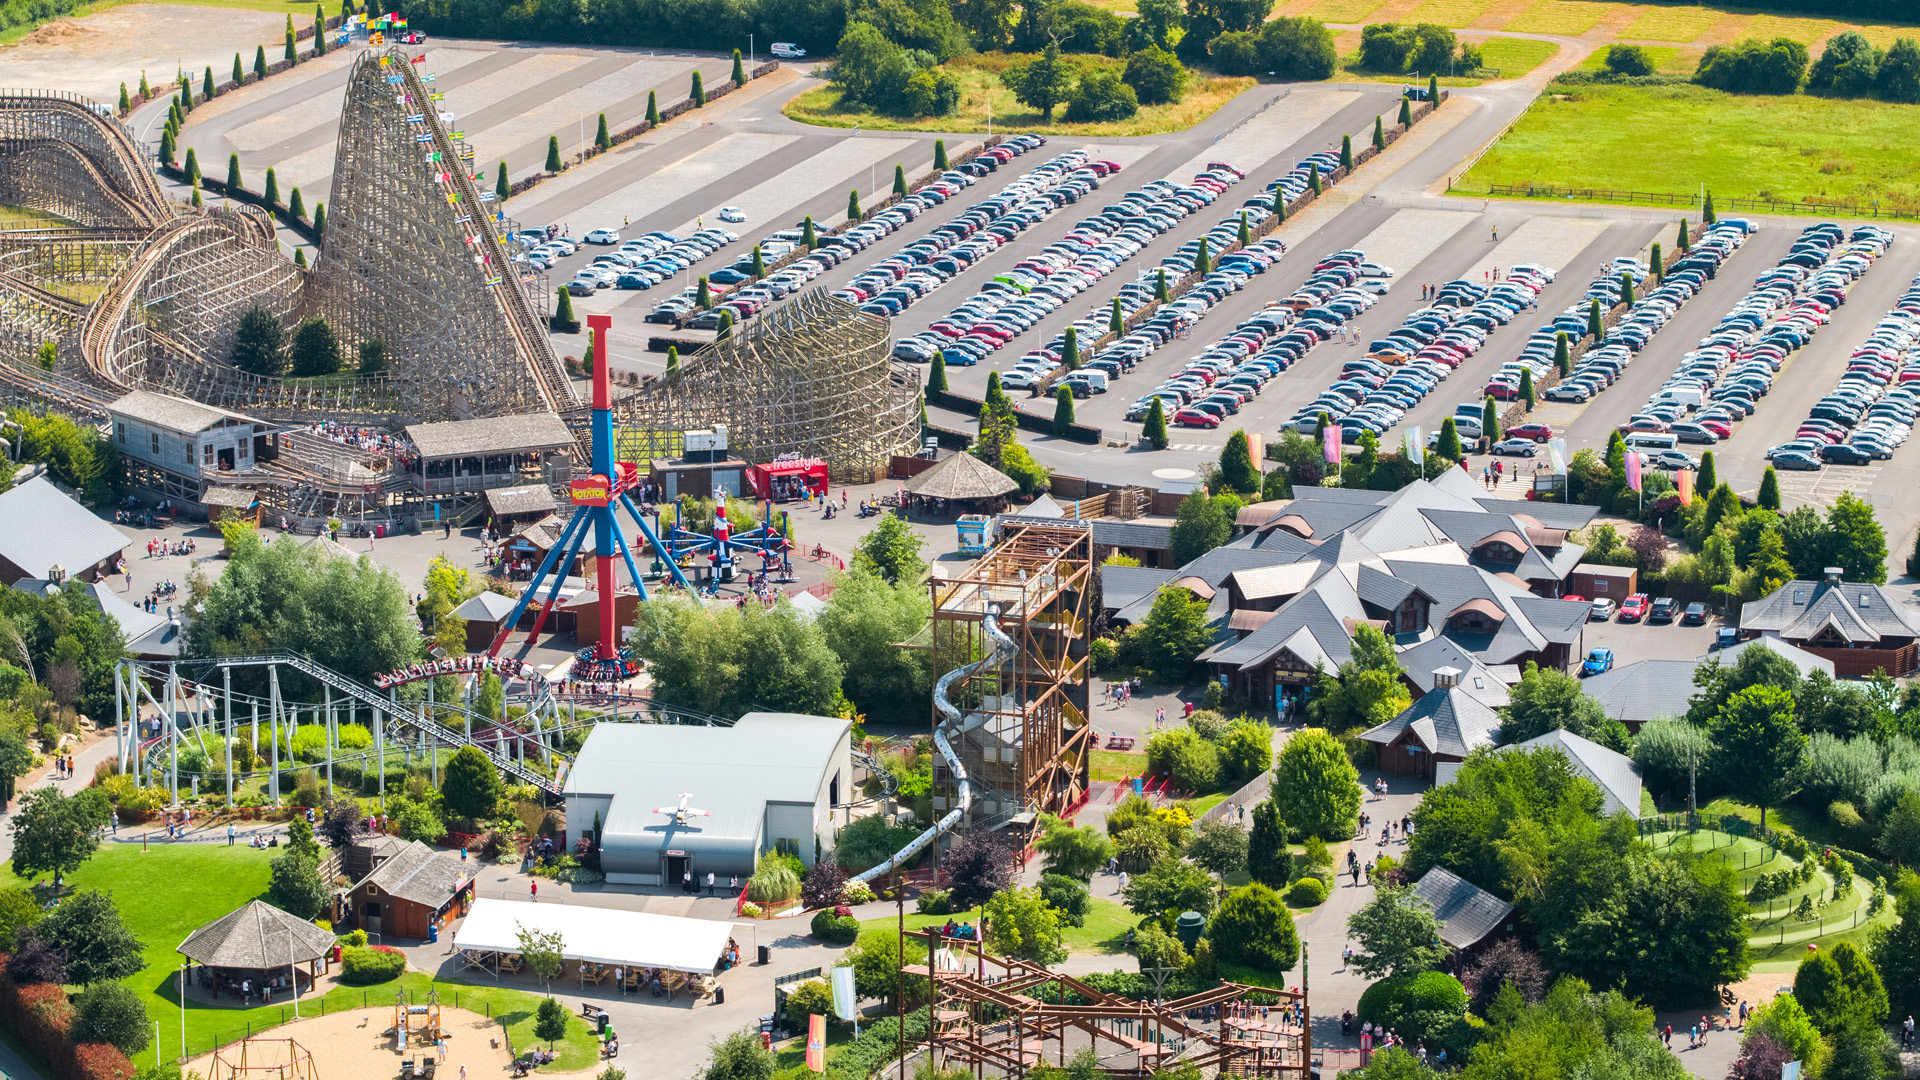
770 781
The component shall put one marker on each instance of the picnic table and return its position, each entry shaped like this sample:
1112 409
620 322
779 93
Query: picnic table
1119 742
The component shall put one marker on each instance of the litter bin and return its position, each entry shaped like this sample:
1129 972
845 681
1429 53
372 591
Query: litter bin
719 995
605 1022
433 934
766 954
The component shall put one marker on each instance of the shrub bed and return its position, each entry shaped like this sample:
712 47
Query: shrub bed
365 966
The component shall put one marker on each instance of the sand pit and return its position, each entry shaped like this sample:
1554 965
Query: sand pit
350 1045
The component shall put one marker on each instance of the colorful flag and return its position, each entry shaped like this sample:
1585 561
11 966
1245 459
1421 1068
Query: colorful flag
1633 470
423 137
1684 478
426 76
417 118
395 80
817 1043
463 219
384 61
486 196
1416 446
1332 444
1557 455
434 156
421 59
437 96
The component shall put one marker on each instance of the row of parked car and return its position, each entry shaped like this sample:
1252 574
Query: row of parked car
1013 302
1721 382
1873 405
645 261
1375 390
1604 362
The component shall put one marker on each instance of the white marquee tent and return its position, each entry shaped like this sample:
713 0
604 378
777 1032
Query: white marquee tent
597 935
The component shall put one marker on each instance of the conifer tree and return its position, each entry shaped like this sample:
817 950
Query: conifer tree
206 85
1245 236
195 199
1155 429
1346 152
259 61
940 154
319 32
563 320
600 137
673 358
166 146
1406 112
1313 177
1070 352
1160 286
293 51
808 235
553 154
1769 497
937 375
739 70
125 103
1526 387
698 94
1379 134
703 296
1707 216
1562 357
853 205
759 264
239 73
900 180
1433 89
653 110
1683 242
191 167
1062 410
144 91
501 189
320 219
296 209
271 196
1659 263
300 257
1201 263
1116 324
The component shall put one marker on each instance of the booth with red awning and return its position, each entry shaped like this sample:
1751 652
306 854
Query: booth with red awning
788 479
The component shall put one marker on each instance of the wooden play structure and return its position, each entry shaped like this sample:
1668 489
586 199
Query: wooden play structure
415 1025
264 1059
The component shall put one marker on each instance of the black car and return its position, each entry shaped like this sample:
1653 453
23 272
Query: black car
1663 609
1695 615
1843 454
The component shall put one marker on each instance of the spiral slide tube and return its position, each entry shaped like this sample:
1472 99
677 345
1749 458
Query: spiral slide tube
1003 651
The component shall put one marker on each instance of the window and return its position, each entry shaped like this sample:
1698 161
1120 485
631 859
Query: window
243 449
120 433
206 454
370 909
1599 585
156 444
833 790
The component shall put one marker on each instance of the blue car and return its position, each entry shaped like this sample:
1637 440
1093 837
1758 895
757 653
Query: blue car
1598 661
956 357
728 276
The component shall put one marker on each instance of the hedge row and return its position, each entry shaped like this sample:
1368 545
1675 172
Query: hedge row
135 99
42 1018
299 225
1043 425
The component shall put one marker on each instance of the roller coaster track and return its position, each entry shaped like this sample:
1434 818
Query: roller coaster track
101 146
1004 651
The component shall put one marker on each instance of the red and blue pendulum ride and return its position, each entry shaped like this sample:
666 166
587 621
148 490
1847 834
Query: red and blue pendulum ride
598 495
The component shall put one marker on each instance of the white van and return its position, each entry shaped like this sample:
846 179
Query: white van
1651 441
1096 381
1690 396
787 50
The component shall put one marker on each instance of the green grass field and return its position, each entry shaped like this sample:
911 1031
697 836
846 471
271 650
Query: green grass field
1573 17
1676 138
148 886
1117 764
16 33
1667 60
1450 13
1670 24
1515 57
1344 11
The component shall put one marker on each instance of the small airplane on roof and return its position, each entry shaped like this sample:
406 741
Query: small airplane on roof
681 813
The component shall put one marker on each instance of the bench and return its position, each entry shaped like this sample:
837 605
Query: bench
1119 742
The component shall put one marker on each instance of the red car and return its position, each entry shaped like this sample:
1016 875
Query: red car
1537 432
1718 427
1196 418
1633 608
1501 391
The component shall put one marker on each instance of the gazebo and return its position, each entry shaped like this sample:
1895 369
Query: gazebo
256 943
964 480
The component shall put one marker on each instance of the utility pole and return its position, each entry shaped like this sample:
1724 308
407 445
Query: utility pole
900 968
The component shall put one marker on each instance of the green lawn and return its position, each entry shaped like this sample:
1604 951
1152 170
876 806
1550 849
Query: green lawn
167 890
1572 17
1106 928
1666 59
1676 138
1203 803
82 11
1116 764
1515 57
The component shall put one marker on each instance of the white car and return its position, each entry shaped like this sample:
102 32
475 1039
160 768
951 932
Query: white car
604 236
732 213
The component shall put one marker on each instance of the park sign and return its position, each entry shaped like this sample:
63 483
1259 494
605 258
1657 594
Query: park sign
595 490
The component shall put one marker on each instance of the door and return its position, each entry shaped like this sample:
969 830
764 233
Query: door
677 865
370 917
226 460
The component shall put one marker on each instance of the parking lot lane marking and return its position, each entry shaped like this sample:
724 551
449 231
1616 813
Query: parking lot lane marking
1409 236
767 202
1279 125
659 189
1554 242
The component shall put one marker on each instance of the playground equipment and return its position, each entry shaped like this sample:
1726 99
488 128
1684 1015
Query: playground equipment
415 1025
597 496
263 1059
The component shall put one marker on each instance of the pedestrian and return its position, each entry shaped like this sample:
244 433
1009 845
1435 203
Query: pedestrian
619 980
1496 234
710 883
441 1045
533 889
1693 1036
232 834
1906 1031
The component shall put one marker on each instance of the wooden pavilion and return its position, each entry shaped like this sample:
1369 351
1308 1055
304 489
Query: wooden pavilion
962 483
258 944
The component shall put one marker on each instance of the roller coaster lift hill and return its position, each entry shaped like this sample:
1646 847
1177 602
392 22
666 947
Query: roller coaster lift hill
610 487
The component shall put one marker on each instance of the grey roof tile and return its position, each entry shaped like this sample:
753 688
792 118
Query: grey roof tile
40 528
1617 775
1467 913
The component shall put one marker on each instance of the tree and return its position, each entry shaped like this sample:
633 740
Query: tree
1863 1051
940 155
315 351
1160 286
1490 420
1397 934
1156 75
892 550
1155 428
1298 48
1066 896
1346 152
1315 787
853 206
937 374
1070 349
1171 884
730 661
471 788
1839 986
1246 750
295 886
1449 446
1072 852
1366 691
553 164
291 54
1849 66
863 618
1759 750
1406 113
1267 858
1547 699
259 64
673 358
1856 543
416 819
239 73
99 948
1022 925
16 760
56 832
1628 60
739 1056
341 823
1899 78
543 951
112 1014
1895 948
191 166
550 1021
1526 387
126 103
19 911
697 93
1200 525
300 839
1769 497
1218 847
167 146
1173 633
1062 410
1237 470
1255 928
1042 84
809 237
563 321
977 867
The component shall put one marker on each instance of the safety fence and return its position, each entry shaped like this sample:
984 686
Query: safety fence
1722 204
345 1000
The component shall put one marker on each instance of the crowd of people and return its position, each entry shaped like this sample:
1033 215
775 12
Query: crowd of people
392 445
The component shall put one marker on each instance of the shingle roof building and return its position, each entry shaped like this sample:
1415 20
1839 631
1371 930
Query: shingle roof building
256 937
1467 913
1833 612
40 528
418 875
1645 690
1615 773
1446 723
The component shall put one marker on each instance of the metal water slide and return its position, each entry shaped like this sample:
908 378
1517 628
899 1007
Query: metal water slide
1004 650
